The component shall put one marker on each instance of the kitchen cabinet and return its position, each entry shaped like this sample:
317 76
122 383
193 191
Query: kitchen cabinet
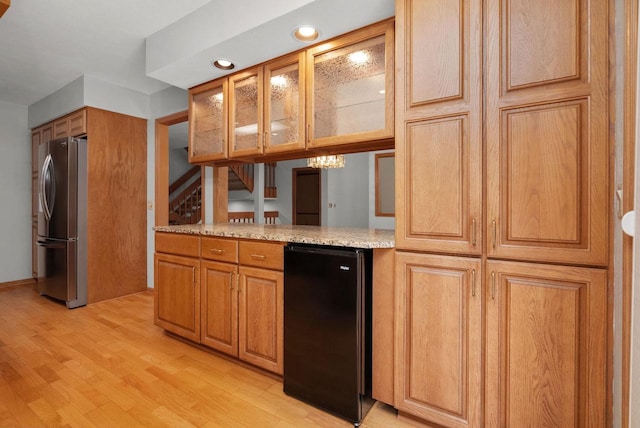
246 134
338 95
439 127
232 289
208 121
350 88
438 355
284 104
548 147
219 307
177 300
488 98
267 108
177 284
261 317
72 125
242 304
116 221
546 341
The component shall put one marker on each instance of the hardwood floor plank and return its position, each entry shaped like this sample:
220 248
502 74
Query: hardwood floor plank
107 364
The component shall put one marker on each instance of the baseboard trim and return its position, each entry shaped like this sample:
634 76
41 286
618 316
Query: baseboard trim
18 283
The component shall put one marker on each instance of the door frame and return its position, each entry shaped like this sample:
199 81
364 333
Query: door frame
294 183
628 173
162 166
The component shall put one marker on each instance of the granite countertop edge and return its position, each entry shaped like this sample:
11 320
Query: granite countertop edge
318 235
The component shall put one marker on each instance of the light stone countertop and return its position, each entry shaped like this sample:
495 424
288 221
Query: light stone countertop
319 235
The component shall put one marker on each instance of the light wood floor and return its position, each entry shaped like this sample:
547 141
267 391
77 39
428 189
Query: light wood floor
107 365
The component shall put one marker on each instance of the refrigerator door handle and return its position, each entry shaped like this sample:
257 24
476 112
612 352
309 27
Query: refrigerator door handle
50 245
47 171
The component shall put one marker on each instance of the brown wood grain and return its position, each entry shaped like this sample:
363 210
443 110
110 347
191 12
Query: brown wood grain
383 324
219 249
178 244
4 5
263 254
628 190
261 318
177 289
220 195
546 345
547 132
133 374
439 126
116 208
438 338
219 306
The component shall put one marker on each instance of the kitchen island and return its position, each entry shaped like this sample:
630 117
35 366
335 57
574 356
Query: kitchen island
221 286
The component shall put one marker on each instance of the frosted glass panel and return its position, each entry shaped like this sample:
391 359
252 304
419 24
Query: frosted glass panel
284 103
208 127
246 113
349 88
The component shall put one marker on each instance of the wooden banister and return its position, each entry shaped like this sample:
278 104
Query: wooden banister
184 178
186 208
245 174
248 217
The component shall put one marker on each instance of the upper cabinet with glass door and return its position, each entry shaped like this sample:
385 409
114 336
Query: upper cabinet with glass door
284 121
246 134
350 88
208 119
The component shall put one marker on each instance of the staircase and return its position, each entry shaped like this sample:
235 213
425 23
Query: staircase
241 177
186 207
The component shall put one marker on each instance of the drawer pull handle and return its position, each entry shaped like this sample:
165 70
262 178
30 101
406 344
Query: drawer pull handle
258 256
216 251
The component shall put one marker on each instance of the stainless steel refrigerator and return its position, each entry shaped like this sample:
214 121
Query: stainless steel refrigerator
62 220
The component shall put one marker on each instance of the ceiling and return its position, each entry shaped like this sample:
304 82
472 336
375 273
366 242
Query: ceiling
147 45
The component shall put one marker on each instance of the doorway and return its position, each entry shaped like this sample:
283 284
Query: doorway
306 194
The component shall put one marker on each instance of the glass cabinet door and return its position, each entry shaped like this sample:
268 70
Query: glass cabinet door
246 134
208 122
350 94
284 104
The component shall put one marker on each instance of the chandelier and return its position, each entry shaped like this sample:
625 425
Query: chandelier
332 161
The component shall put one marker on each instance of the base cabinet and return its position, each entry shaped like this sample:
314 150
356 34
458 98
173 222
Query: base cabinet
219 307
177 299
223 293
546 346
261 318
439 338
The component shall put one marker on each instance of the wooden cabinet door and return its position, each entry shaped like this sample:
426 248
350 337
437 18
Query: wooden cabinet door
208 119
284 95
350 88
246 130
438 360
261 315
177 288
439 126
77 123
219 306
546 346
547 131
60 128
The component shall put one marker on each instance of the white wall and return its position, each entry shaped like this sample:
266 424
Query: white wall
163 103
377 222
15 193
347 202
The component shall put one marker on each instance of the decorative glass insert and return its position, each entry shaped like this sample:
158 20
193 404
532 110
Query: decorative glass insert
208 127
246 113
284 104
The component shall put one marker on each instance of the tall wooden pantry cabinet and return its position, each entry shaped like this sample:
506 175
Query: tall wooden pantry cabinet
502 212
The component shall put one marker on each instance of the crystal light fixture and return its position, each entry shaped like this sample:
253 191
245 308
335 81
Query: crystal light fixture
331 161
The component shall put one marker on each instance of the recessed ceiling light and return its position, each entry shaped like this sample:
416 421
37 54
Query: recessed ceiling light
223 64
305 33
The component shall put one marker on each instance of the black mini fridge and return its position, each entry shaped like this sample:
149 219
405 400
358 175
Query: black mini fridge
327 328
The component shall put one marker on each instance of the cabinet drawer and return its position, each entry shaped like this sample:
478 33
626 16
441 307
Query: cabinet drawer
262 254
223 250
180 244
